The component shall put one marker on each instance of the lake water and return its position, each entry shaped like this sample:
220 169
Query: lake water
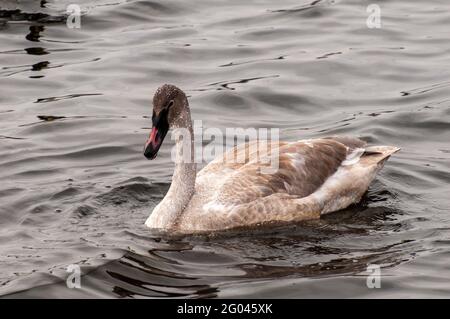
74 113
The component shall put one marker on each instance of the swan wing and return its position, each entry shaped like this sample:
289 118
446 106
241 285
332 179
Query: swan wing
303 167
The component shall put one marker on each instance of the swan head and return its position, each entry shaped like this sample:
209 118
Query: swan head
170 107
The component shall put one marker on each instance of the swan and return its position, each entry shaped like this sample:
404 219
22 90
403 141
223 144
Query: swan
315 177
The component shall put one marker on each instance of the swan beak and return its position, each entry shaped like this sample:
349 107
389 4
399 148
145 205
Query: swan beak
157 135
153 144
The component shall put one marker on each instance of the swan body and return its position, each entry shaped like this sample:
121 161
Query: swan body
314 177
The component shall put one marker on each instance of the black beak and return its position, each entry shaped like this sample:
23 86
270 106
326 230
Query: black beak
157 135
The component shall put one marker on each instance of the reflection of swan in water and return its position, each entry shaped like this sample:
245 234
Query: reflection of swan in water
315 177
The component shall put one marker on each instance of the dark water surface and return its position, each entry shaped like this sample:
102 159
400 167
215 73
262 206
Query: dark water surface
74 111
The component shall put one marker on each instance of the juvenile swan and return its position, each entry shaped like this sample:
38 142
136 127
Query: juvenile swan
314 177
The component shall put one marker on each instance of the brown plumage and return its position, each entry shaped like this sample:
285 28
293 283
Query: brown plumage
314 177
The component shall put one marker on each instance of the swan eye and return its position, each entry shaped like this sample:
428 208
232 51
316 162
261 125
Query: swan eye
170 103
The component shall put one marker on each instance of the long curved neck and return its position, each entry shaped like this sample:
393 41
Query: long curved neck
166 214
185 172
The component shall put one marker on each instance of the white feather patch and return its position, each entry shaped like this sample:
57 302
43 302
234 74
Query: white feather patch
353 157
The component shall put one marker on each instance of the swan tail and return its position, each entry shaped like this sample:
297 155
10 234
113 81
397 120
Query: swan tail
377 155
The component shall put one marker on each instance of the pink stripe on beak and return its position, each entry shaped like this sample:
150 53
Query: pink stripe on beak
152 138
